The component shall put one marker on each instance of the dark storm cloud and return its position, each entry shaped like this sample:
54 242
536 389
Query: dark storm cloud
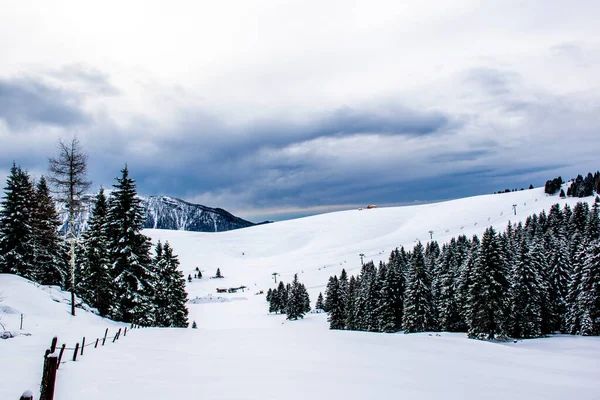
28 102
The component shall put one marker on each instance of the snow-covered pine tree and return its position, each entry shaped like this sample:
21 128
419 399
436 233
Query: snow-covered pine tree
418 303
365 303
589 296
273 300
487 301
391 299
525 296
351 304
305 299
465 280
328 289
336 310
319 305
448 316
577 258
16 231
129 252
49 250
282 298
295 304
343 281
559 277
171 295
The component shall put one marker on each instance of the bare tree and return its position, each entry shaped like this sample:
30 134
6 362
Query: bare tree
68 175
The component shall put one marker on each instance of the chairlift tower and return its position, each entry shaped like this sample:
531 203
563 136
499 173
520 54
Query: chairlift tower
515 208
362 258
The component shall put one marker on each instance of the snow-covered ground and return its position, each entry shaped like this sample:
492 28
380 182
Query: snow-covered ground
242 352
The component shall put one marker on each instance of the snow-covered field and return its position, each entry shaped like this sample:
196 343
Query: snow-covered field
242 352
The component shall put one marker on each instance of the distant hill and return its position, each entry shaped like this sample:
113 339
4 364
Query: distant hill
164 212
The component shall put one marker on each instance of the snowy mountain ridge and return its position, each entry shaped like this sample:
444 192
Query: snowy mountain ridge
165 212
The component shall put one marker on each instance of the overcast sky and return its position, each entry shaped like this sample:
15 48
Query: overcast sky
278 109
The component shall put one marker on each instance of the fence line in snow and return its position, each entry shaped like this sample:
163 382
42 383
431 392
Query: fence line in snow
53 358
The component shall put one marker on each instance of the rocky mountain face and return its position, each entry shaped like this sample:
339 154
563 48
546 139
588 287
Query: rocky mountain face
164 212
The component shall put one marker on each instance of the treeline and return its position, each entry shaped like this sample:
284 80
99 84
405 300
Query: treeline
115 270
291 299
531 280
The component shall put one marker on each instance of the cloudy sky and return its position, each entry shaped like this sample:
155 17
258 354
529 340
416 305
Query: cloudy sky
278 109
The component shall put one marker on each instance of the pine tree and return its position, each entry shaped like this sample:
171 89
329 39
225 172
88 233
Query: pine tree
525 296
273 299
295 305
559 277
365 301
218 274
351 304
391 307
16 231
282 298
49 250
336 313
448 317
171 296
465 280
319 305
96 286
487 303
589 296
129 253
418 302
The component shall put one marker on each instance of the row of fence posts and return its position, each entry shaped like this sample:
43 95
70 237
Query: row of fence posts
53 359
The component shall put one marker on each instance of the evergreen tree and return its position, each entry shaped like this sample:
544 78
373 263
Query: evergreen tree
391 307
16 231
336 313
295 305
350 322
465 280
418 303
525 296
171 297
274 302
319 305
559 276
305 299
487 303
365 301
49 249
96 286
448 316
282 297
589 296
218 274
129 251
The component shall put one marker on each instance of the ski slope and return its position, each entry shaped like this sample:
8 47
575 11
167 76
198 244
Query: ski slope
242 352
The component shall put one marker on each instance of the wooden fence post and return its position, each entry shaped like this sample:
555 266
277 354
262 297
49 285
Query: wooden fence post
105 334
48 376
117 335
125 332
96 345
82 345
75 352
62 350
53 345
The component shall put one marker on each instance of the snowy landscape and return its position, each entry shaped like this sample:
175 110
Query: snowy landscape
303 200
240 351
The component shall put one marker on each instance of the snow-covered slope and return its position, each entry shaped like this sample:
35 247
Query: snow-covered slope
319 246
242 352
